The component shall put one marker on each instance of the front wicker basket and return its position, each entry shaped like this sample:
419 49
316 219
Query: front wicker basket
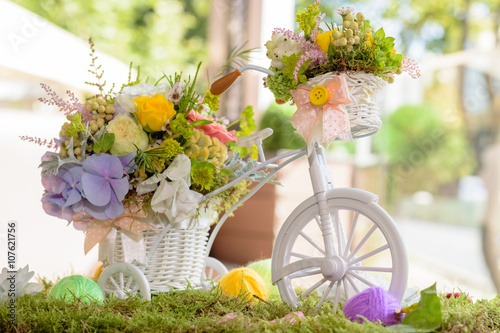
364 115
178 261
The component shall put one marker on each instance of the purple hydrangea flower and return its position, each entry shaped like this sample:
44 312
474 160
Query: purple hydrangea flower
128 162
104 185
64 192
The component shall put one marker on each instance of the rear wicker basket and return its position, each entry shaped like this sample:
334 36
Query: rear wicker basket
178 260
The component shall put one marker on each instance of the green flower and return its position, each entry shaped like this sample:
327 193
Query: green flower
306 18
211 100
181 126
203 174
172 148
280 86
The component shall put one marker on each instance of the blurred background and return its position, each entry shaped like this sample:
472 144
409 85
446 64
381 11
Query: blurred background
434 163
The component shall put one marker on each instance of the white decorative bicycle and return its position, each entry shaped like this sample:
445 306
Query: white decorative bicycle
335 244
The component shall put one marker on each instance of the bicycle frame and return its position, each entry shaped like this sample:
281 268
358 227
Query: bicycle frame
321 180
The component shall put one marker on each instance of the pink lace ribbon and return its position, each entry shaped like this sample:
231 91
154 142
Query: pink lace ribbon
97 230
330 119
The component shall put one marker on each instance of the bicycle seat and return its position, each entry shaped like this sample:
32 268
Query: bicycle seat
248 141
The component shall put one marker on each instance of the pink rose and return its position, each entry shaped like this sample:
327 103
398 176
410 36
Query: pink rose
213 130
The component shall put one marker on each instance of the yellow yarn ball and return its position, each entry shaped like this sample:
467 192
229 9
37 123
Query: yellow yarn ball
244 282
263 268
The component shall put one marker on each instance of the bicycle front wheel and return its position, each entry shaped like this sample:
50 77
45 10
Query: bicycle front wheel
368 252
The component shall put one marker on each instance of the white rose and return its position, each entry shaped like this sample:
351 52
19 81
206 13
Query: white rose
128 135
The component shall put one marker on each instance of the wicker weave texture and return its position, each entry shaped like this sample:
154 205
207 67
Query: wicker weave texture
178 260
364 115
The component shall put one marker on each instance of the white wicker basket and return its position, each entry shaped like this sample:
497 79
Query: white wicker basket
178 260
364 115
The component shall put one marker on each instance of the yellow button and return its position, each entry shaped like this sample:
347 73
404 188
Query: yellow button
319 95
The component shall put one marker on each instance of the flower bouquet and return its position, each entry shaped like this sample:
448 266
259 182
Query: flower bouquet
131 164
332 74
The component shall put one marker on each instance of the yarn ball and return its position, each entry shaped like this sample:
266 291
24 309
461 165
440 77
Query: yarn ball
263 267
76 287
374 304
244 282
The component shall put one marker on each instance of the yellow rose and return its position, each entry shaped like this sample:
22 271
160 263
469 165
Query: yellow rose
154 111
324 39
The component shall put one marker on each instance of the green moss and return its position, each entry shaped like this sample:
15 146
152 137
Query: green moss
202 311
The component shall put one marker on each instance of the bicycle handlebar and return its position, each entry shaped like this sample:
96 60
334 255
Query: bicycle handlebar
223 84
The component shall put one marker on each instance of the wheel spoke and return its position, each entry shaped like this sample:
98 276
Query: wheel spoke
346 291
298 266
313 243
360 278
351 234
362 242
337 296
122 283
129 282
369 254
299 255
305 273
314 287
336 224
325 294
113 282
371 269
352 283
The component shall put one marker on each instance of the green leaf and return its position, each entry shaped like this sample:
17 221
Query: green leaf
201 122
148 129
380 34
427 316
389 41
104 143
226 172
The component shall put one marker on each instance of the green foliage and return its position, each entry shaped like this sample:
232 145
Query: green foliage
278 117
196 310
247 127
425 150
236 59
75 125
104 143
446 19
188 98
158 35
290 62
306 18
426 317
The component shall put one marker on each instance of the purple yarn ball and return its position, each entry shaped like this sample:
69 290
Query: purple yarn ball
373 304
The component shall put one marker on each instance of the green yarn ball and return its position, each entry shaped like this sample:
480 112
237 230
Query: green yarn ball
77 287
263 268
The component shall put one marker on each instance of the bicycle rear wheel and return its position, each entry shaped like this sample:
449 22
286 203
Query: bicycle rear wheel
370 254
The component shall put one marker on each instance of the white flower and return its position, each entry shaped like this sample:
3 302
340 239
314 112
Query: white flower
175 93
344 11
128 135
16 284
173 196
125 99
